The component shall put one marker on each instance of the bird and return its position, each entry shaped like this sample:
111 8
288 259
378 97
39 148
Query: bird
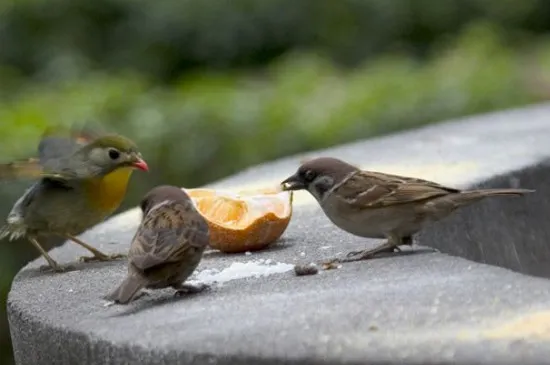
79 181
167 246
373 204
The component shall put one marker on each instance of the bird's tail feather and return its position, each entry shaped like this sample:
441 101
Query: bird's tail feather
504 191
471 196
482 193
127 290
12 232
443 206
4 232
7 231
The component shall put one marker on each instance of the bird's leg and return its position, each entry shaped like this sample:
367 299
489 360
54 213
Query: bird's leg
51 262
407 240
388 246
141 294
98 255
184 288
385 248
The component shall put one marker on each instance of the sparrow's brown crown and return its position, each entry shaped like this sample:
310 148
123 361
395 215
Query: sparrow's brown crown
162 193
327 166
334 168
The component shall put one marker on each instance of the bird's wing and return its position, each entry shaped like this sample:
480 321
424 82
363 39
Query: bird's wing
367 190
25 169
167 233
54 151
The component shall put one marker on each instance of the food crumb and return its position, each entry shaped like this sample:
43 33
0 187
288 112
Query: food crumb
308 269
331 265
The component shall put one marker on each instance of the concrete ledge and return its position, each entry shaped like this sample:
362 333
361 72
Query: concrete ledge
422 308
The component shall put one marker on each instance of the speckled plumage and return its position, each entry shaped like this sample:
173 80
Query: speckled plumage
377 205
167 246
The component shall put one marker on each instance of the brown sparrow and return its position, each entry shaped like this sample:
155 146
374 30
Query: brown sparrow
167 246
377 205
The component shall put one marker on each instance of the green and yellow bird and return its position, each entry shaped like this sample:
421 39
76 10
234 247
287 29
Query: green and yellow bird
82 179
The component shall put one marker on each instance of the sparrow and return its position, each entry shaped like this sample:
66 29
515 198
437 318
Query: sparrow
167 246
79 181
377 205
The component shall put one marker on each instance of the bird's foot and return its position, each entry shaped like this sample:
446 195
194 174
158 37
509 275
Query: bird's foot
360 255
388 249
375 251
331 264
56 268
190 289
353 253
102 257
142 293
368 254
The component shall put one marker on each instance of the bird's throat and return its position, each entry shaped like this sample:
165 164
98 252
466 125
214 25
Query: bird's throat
106 192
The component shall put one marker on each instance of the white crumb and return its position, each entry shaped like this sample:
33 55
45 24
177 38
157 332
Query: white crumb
278 188
324 247
248 253
302 254
108 303
242 270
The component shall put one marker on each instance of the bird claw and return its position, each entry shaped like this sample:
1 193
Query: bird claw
56 268
359 256
353 253
190 289
141 294
331 264
368 253
111 257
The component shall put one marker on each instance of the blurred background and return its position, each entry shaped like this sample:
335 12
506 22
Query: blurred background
208 87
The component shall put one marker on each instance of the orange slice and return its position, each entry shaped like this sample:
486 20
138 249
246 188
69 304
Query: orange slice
248 220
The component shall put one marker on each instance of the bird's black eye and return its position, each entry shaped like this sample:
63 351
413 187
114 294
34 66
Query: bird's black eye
114 154
309 175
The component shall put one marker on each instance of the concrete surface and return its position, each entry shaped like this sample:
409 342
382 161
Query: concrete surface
420 308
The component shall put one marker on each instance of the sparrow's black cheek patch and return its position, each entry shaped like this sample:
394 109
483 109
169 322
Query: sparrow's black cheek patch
322 187
323 184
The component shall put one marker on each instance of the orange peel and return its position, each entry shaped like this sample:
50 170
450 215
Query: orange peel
246 220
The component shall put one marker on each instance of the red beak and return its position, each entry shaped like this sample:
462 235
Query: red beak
142 165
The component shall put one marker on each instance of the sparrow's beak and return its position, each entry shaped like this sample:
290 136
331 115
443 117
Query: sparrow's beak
293 183
140 164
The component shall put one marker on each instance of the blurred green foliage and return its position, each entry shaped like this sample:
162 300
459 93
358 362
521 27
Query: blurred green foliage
60 38
213 123
209 87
